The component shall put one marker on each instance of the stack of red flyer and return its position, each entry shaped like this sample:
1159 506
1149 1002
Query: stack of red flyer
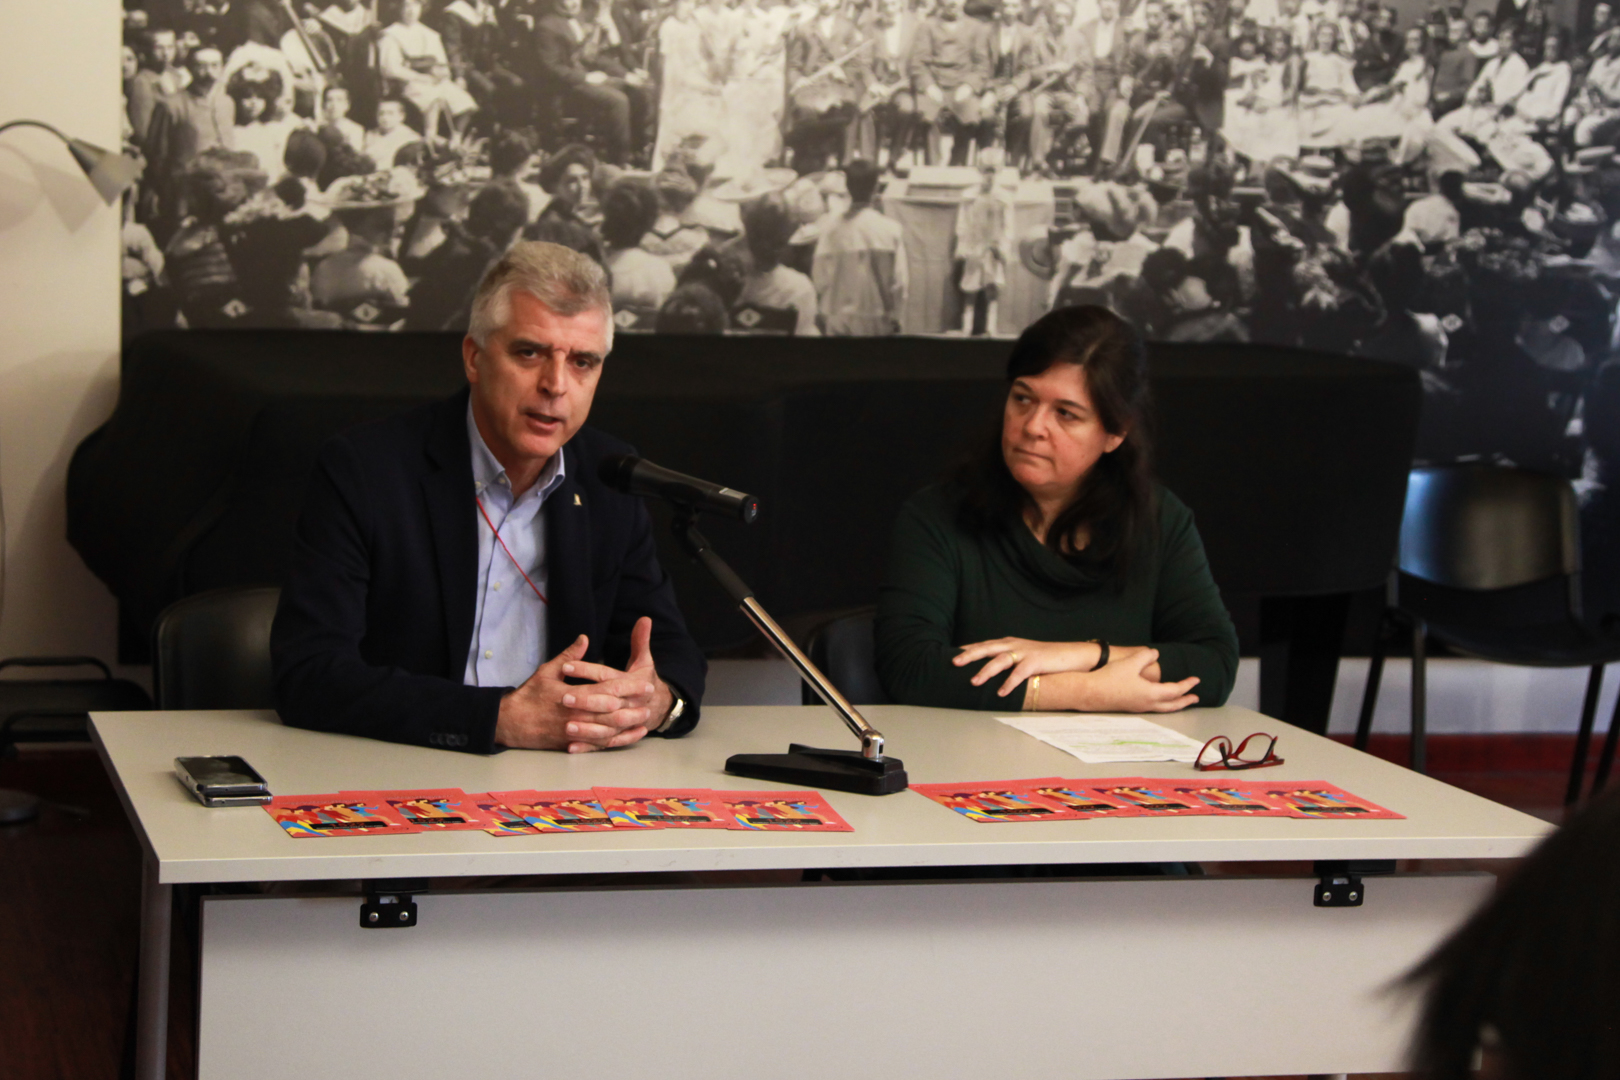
519 813
1053 798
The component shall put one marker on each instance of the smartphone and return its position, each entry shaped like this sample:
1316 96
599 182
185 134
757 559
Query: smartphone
222 781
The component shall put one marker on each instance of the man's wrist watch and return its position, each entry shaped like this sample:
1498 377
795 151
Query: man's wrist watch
675 713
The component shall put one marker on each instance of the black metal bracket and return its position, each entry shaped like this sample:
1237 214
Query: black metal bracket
1340 890
388 904
1339 882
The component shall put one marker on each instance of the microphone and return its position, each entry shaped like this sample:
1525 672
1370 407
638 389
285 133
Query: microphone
638 476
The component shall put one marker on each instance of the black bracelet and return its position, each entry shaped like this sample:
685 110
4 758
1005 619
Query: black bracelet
1102 660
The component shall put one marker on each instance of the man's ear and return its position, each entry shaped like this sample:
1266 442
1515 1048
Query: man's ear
469 358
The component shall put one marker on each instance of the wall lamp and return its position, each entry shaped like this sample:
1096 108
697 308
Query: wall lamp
110 172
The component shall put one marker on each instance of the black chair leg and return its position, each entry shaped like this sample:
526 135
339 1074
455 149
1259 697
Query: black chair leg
1583 737
1607 760
1420 697
1375 679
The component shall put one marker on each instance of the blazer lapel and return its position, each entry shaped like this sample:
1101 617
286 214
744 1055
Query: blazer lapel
448 494
572 608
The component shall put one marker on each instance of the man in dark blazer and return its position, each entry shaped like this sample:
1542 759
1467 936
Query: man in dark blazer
393 620
574 66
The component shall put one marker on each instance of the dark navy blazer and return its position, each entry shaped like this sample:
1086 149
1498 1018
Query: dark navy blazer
376 612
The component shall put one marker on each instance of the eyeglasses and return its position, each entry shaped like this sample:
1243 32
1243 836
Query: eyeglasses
1243 757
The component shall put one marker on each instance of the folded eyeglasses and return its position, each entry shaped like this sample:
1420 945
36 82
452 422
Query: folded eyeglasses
1247 754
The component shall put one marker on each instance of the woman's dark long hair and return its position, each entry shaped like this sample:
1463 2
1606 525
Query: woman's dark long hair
1538 968
1115 502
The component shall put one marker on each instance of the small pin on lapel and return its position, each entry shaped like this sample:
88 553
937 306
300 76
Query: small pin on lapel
576 500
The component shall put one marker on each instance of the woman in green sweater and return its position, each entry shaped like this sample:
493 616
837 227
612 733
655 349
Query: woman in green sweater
1055 558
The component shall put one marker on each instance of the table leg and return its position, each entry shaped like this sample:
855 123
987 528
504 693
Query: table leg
152 994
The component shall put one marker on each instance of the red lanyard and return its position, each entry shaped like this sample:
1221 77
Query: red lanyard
508 551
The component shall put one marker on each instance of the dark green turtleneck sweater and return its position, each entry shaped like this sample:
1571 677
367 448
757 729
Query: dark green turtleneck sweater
945 587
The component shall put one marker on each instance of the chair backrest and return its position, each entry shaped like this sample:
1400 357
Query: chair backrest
212 650
844 650
1477 526
759 319
57 709
635 317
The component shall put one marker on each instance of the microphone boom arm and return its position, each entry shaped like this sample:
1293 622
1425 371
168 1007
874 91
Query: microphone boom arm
697 545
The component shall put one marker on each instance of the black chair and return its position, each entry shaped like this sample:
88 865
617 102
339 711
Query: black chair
1490 566
840 643
212 650
54 710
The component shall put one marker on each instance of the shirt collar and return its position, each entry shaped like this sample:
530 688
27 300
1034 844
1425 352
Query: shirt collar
487 471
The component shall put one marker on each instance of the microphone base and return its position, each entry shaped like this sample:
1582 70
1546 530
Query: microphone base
837 770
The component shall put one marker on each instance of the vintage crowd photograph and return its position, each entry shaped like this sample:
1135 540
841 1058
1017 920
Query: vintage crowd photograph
1434 185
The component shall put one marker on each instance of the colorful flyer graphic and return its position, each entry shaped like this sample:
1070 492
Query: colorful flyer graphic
557 811
431 809
1235 799
1054 798
1013 800
1081 800
504 821
780 811
1153 797
1317 800
334 815
663 808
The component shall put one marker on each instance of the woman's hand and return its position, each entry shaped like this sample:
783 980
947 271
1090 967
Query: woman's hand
1026 658
1121 686
1119 654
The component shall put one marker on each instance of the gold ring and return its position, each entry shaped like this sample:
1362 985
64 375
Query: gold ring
1015 657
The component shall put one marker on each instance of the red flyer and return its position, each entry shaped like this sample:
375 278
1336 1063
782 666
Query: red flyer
431 809
348 814
504 821
663 808
1150 796
780 811
1317 800
1081 800
1233 798
557 811
1005 800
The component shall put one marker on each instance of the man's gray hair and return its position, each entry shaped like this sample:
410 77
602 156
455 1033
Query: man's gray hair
564 280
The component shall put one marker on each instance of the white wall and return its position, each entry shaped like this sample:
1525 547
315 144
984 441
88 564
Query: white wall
58 311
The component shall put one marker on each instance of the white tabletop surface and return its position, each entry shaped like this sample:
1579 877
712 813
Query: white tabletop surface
194 843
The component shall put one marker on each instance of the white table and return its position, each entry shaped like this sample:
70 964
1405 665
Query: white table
1090 977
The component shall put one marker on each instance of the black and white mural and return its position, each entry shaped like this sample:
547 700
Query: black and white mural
1433 185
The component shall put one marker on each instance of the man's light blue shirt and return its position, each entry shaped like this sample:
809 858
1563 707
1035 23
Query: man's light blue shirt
509 622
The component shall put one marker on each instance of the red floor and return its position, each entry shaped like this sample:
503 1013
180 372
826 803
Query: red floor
1526 772
69 891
